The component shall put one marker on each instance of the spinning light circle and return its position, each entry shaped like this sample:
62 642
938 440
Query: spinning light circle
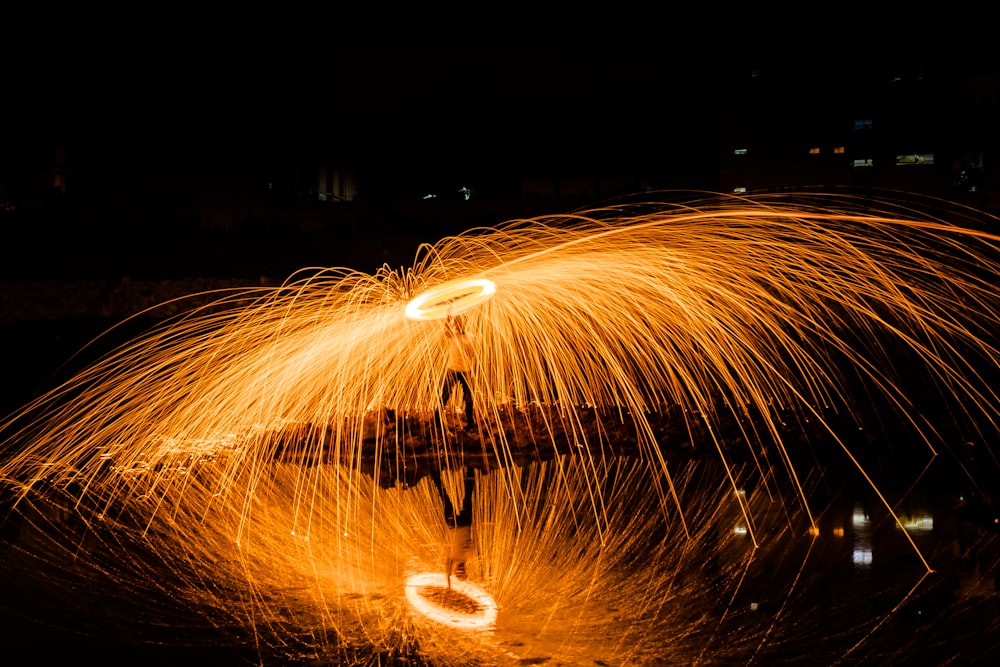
450 298
483 618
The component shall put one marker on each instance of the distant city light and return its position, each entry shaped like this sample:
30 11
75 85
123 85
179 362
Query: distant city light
917 524
915 158
859 517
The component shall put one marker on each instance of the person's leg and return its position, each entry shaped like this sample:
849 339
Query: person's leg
461 539
449 509
446 390
464 517
470 415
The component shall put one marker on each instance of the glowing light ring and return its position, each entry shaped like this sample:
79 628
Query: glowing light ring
450 298
483 619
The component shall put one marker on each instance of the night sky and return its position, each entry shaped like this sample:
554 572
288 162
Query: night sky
153 119
154 109
450 105
409 108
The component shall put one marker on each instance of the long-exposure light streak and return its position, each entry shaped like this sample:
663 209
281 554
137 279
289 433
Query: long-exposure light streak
451 298
482 617
258 449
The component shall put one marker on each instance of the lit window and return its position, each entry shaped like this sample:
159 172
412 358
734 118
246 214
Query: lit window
915 158
863 162
923 523
814 150
863 124
838 149
740 189
739 151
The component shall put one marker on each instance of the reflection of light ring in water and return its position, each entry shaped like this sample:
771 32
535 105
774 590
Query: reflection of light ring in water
449 298
483 618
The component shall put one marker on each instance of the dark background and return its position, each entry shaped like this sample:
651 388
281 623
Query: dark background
183 145
209 153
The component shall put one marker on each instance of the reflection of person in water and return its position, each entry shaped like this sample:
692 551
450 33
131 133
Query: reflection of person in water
460 357
459 525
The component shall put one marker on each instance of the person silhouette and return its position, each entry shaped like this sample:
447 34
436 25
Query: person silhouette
460 547
461 354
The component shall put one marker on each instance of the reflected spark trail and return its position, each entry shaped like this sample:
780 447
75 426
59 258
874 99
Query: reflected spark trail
236 438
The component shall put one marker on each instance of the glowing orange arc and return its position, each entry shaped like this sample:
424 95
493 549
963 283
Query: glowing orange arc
450 298
484 618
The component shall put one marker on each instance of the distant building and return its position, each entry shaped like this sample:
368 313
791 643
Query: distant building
931 131
283 159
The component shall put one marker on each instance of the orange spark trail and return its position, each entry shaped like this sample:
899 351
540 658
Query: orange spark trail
722 312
